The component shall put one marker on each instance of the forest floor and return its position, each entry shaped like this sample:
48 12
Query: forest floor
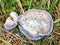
14 37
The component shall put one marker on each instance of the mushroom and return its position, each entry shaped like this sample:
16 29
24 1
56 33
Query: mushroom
11 22
35 24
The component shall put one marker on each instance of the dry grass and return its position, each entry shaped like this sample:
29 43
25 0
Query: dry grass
14 37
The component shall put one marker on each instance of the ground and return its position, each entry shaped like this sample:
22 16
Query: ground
14 37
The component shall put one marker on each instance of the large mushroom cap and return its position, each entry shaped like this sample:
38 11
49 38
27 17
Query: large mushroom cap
11 22
36 23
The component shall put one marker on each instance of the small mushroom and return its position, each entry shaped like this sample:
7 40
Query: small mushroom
11 22
14 16
35 24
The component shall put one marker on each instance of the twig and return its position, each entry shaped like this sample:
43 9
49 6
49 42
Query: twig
13 35
8 43
48 4
10 33
57 33
57 20
20 5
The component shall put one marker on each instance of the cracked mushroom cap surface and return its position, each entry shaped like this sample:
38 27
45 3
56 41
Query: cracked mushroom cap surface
35 24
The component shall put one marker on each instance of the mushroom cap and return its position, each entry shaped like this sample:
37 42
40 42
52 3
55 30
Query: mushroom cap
9 24
35 24
27 35
14 16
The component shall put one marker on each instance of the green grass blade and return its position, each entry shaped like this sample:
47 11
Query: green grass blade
39 42
52 5
41 4
30 4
